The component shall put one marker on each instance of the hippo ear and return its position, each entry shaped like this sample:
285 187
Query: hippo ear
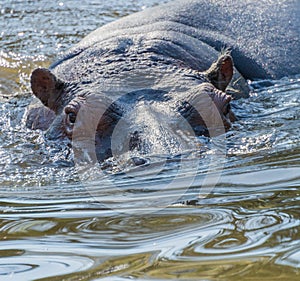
220 73
47 87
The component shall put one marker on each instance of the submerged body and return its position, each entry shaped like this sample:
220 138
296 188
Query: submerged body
163 59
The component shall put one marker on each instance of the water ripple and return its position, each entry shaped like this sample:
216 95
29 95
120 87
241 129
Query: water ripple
34 266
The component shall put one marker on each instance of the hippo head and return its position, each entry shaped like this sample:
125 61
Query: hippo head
63 101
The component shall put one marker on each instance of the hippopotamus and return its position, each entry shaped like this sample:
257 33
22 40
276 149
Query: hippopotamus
179 64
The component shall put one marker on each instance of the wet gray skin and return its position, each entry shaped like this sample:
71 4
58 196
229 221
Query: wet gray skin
168 58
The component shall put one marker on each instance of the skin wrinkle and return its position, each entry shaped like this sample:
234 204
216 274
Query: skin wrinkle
129 32
181 52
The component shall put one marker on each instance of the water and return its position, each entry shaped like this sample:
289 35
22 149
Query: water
52 225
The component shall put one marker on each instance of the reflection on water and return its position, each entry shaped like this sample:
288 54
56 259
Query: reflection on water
51 228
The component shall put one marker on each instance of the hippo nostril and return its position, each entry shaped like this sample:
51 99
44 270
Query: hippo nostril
138 161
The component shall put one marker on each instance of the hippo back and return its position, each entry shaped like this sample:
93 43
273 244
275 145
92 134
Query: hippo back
262 35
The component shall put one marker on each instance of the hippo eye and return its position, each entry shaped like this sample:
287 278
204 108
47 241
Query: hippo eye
72 117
